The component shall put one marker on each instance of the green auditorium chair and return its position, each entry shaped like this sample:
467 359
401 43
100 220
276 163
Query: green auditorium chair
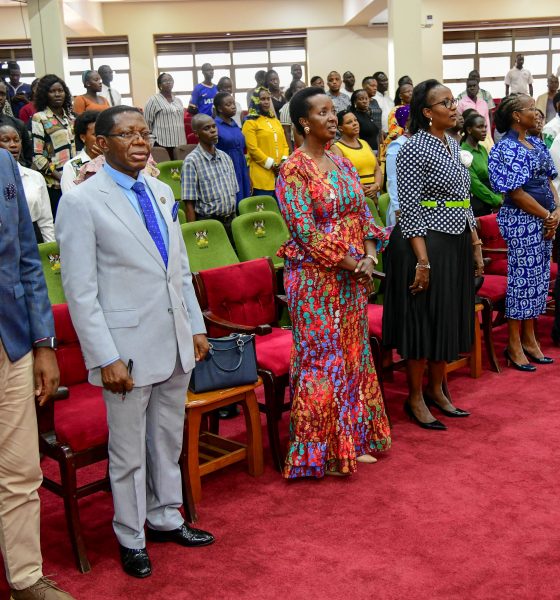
182 216
383 201
257 204
170 173
259 234
50 260
208 245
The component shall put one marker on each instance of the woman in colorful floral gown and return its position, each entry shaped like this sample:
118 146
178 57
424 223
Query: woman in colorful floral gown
338 416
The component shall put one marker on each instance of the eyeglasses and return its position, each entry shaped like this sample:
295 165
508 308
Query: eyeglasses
533 109
449 104
128 136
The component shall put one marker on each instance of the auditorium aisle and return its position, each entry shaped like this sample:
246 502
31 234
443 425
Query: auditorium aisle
471 513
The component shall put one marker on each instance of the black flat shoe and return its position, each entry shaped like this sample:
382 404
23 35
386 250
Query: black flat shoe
184 536
135 562
545 360
509 361
458 412
435 425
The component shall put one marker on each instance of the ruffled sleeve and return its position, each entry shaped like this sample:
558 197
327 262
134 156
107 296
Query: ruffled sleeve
296 205
509 167
548 164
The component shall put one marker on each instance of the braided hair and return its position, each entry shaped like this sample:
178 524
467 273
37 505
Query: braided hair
419 102
503 116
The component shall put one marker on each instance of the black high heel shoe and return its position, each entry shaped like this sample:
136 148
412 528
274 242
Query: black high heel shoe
458 412
545 360
435 425
510 361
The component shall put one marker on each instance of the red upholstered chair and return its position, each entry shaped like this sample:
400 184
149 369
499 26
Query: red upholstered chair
192 138
73 431
492 295
494 246
242 298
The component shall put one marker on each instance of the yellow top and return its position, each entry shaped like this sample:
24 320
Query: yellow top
266 145
362 158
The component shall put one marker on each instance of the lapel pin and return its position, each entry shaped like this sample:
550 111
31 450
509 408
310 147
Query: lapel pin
162 200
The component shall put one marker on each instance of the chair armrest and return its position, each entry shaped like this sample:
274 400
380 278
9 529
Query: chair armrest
61 394
213 319
379 275
282 299
495 250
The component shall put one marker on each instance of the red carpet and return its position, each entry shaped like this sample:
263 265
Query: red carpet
471 513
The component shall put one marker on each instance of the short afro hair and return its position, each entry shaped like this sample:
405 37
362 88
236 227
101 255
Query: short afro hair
81 125
106 119
299 105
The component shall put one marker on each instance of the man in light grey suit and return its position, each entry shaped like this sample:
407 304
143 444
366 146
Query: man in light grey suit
128 285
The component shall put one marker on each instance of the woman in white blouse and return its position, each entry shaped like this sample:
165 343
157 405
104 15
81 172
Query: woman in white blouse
84 132
34 186
164 114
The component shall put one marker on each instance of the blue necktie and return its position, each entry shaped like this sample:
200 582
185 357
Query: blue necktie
150 218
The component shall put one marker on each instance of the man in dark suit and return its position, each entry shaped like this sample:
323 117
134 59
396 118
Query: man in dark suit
25 323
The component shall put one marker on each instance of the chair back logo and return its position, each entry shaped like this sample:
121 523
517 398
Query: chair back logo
260 230
54 260
259 207
175 174
202 239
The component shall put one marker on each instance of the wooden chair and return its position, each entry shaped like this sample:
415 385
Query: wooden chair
207 452
242 298
160 154
180 152
73 432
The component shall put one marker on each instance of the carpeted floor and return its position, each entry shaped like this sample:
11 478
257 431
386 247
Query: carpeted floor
471 513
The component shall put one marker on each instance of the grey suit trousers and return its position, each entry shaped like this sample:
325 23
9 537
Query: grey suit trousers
145 442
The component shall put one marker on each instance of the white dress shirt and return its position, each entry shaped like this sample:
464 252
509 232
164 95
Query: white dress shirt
386 105
116 100
71 169
35 189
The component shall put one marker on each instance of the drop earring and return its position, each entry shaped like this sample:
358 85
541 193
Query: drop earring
430 123
306 130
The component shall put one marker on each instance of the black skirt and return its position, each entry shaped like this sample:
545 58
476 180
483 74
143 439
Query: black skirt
437 324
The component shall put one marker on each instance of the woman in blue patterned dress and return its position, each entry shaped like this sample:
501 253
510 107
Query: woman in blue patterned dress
338 417
521 168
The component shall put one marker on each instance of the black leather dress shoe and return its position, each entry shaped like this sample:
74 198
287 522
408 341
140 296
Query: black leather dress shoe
185 536
457 412
433 425
136 562
545 360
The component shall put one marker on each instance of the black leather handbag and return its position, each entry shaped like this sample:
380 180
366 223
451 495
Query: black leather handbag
230 362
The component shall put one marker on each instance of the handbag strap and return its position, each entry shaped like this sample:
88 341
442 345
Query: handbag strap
240 346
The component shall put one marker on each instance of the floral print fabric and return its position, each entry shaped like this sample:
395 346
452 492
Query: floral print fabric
337 411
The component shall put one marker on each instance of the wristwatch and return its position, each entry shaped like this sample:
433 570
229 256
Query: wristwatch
48 342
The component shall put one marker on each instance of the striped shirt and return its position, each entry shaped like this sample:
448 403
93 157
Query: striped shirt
209 181
166 120
341 102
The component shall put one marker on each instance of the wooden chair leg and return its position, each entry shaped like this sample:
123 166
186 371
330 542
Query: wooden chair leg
70 496
254 435
191 466
476 350
486 315
273 413
189 505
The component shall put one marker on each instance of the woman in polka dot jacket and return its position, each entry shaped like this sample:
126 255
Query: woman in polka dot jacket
433 254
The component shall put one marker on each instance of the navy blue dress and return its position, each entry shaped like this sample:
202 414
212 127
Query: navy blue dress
511 165
232 142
